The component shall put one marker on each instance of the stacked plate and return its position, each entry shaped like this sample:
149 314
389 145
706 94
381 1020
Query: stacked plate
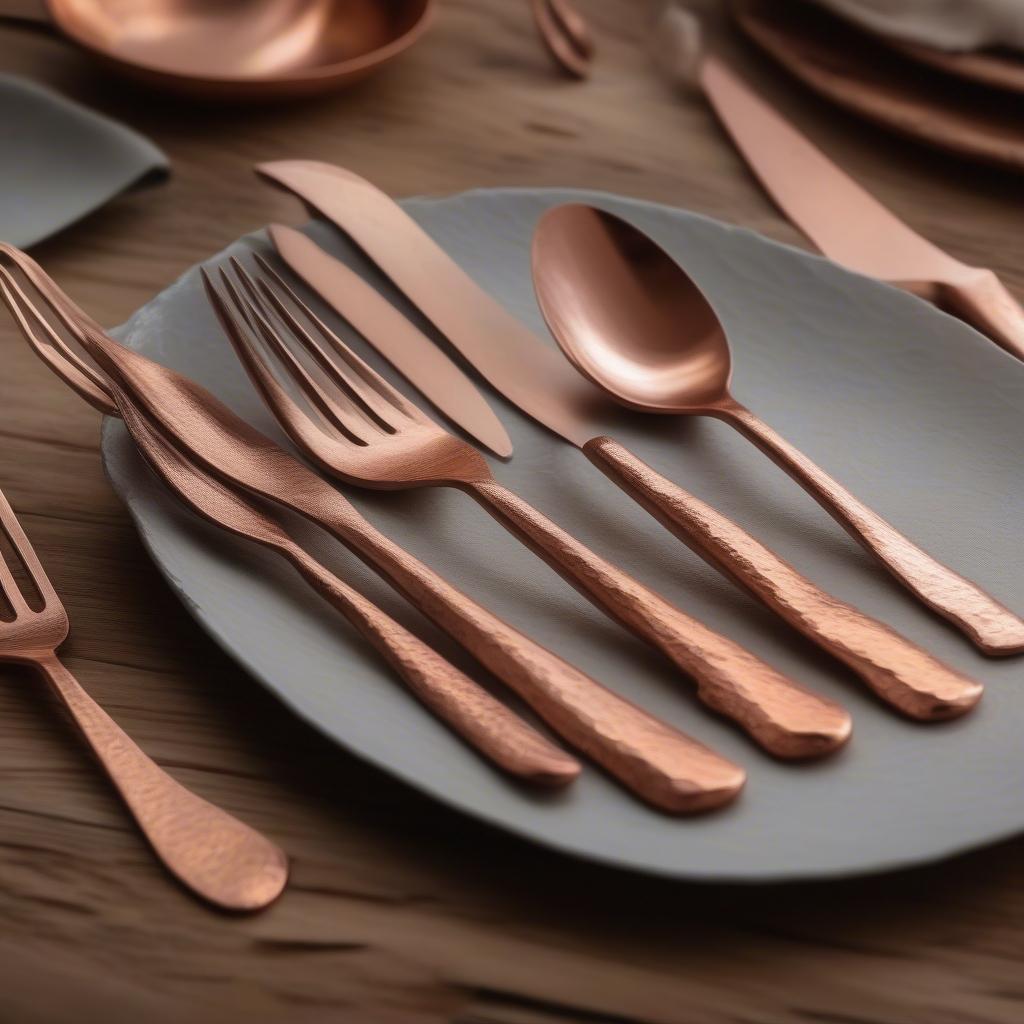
965 102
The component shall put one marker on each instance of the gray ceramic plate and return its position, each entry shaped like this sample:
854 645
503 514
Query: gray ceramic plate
60 160
915 412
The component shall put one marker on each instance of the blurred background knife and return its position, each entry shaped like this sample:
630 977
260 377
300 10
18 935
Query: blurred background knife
843 220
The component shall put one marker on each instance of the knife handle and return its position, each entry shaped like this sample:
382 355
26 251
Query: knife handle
785 719
984 302
468 709
993 628
658 763
897 670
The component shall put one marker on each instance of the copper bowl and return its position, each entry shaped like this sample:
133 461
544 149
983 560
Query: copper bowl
244 49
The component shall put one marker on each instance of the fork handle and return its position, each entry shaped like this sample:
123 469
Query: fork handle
470 710
213 854
897 670
784 718
992 627
661 765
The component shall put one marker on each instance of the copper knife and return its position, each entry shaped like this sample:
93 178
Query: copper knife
422 363
846 222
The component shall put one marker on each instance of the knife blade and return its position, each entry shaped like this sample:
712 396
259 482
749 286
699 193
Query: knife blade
421 362
533 375
845 221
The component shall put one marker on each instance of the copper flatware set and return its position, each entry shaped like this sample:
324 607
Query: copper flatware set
657 762
636 331
373 437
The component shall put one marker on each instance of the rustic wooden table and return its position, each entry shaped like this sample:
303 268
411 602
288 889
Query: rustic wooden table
400 910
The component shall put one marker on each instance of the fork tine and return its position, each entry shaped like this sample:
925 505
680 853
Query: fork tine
9 589
231 312
46 341
382 413
369 386
19 541
267 315
253 309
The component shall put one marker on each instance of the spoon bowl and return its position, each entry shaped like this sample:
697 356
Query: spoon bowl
626 315
634 322
244 49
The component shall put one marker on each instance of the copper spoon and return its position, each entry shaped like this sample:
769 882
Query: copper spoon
565 35
633 321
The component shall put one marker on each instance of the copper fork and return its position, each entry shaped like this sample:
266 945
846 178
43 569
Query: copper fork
213 854
468 709
656 762
361 429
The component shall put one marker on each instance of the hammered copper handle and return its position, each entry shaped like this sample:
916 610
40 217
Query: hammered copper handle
992 627
784 718
468 709
221 859
897 670
661 765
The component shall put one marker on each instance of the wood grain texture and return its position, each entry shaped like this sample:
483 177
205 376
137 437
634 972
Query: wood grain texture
401 911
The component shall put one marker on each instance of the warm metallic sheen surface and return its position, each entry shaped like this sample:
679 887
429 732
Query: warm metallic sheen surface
384 327
506 353
467 708
510 356
217 857
655 761
634 322
368 434
898 671
244 48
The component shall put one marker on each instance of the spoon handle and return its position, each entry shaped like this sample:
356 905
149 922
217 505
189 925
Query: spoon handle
785 719
992 627
897 670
